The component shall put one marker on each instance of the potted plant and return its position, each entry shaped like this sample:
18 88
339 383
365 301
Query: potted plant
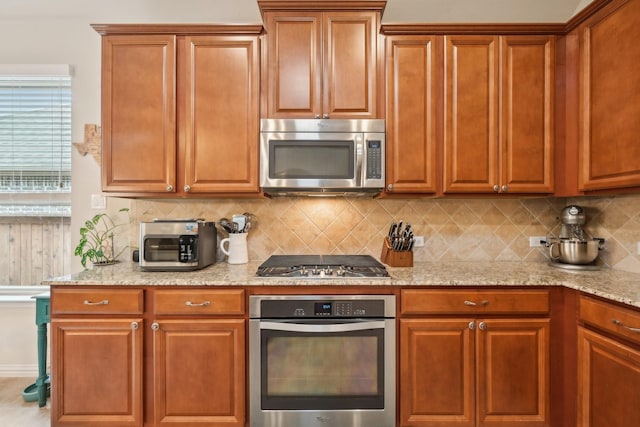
96 240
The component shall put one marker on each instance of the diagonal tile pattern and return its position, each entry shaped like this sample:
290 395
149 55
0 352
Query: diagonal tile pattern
454 229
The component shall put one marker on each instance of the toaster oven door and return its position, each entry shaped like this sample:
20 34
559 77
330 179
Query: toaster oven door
170 249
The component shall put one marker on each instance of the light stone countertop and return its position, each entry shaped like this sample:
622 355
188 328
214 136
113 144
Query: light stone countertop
614 285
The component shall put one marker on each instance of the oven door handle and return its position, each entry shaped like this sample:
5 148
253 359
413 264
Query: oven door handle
332 327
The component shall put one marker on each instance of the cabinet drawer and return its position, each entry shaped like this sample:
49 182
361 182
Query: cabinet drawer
617 320
423 301
199 301
97 301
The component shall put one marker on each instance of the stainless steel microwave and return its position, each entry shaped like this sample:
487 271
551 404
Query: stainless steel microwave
322 156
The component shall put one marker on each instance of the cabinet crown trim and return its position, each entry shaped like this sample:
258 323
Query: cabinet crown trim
177 29
473 29
299 5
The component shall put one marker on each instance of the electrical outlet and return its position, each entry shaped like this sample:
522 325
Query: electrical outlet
418 241
534 241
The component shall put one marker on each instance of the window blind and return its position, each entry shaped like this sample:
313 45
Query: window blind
35 133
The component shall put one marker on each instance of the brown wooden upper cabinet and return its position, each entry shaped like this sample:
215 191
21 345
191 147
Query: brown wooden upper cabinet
321 64
413 73
180 111
498 131
610 105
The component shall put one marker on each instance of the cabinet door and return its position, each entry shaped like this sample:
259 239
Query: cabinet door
412 64
199 372
610 105
97 372
471 155
294 64
608 382
436 373
350 79
513 372
218 114
138 113
322 65
527 114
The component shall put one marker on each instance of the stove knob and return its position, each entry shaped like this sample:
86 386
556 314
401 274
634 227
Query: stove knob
340 272
315 271
304 272
328 271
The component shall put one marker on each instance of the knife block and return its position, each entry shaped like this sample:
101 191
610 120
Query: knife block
395 258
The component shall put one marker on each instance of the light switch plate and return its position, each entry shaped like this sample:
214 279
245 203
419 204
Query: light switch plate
98 201
418 241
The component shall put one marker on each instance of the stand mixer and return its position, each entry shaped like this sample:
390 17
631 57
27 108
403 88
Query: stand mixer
572 218
574 248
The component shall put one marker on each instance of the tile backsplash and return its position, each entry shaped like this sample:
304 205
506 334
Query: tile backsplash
496 229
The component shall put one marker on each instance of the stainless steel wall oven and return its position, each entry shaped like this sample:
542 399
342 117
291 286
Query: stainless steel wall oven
322 361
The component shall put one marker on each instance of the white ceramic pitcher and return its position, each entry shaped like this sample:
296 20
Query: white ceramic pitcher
236 248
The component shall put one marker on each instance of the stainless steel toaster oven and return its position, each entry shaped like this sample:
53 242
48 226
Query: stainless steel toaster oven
177 244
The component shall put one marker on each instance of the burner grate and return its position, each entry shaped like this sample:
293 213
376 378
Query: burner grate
322 266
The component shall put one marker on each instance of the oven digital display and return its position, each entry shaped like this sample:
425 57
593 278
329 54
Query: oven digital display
322 308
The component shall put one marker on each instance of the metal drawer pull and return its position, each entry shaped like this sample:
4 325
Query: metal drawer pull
134 326
193 304
622 325
473 304
103 302
155 326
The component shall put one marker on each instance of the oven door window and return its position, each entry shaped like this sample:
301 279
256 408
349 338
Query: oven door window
320 370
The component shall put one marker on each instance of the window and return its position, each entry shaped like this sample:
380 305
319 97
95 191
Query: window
35 140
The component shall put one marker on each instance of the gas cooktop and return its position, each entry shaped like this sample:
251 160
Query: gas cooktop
322 266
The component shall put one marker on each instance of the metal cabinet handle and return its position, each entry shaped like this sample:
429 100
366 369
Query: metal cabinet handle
482 326
134 326
496 188
472 325
155 326
187 188
169 188
505 188
200 304
622 325
103 302
474 304
390 187
325 116
317 116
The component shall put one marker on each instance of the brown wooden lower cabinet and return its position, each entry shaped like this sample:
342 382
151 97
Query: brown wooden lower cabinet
468 371
608 365
471 372
198 372
179 363
97 372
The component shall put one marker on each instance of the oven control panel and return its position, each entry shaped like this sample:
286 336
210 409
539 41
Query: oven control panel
321 308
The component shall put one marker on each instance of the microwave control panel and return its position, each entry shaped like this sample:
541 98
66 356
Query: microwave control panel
374 159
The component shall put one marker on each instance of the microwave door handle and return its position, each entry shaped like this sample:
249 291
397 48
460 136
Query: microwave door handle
359 157
333 327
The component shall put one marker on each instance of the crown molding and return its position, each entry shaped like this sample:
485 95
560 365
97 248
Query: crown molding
177 29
